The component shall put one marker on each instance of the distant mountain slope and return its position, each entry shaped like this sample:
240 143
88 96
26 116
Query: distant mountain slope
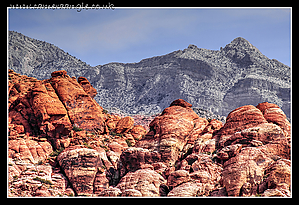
39 59
215 80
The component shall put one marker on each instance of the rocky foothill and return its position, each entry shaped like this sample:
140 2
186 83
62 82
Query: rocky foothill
61 142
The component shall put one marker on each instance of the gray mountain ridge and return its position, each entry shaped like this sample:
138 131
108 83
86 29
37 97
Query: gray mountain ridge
217 81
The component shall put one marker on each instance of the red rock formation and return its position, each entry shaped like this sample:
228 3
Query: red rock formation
51 108
170 131
83 111
180 102
273 114
82 167
51 114
178 177
124 125
180 154
135 158
146 181
240 119
20 109
264 133
278 181
138 132
29 151
87 87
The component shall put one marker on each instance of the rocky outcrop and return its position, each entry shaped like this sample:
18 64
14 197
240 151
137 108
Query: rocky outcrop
124 125
214 80
170 131
51 108
263 142
54 151
146 181
275 115
82 167
82 110
29 151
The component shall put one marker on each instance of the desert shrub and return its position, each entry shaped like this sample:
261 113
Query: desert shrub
76 129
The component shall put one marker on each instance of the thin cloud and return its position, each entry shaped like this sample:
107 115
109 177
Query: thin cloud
102 36
133 28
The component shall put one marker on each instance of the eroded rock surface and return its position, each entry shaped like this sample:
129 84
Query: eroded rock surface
73 148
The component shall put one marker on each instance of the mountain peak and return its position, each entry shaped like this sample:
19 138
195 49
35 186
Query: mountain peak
240 39
191 46
240 43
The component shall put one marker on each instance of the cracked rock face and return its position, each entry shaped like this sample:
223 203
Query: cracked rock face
81 168
146 181
215 80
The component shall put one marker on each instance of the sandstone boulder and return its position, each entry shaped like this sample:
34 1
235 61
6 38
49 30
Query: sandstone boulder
124 125
258 135
83 111
213 125
138 132
180 102
206 171
188 189
61 73
52 115
29 151
273 114
241 118
111 191
178 177
243 173
135 158
81 166
146 181
37 180
278 176
170 131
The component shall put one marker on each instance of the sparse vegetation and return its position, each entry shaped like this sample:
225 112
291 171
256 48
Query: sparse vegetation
128 143
115 134
45 181
56 152
87 145
76 129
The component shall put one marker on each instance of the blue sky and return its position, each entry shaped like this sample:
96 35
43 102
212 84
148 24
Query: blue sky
130 35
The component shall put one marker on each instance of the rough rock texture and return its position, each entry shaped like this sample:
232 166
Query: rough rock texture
278 181
251 142
215 80
242 118
135 158
245 169
170 131
188 189
87 87
52 150
274 114
178 177
124 125
82 110
146 181
81 168
29 151
51 108
36 180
